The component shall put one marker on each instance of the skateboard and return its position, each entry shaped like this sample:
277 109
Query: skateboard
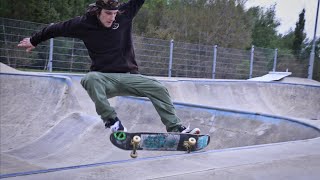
158 141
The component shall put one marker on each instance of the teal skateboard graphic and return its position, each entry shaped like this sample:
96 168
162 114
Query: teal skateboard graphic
158 141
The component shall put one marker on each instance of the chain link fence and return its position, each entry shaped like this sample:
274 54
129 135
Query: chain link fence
155 57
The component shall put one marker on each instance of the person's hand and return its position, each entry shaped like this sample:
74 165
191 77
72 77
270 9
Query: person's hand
25 43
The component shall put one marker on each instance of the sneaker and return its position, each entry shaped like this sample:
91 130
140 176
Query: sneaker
115 125
183 129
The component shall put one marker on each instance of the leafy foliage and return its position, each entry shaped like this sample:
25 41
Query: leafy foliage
299 35
264 32
225 23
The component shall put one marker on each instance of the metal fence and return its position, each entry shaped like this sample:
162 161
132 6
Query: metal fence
155 57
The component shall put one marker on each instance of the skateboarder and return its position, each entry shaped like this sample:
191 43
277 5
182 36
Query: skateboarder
105 30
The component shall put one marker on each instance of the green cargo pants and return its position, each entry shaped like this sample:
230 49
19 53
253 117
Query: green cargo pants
102 86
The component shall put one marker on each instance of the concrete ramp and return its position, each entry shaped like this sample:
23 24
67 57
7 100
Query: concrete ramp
31 105
55 139
283 99
49 121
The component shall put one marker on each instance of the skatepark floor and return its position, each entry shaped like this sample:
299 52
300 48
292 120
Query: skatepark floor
259 130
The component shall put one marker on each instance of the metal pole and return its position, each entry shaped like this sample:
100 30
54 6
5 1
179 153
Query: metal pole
275 60
214 62
312 54
171 57
50 55
72 54
6 45
251 62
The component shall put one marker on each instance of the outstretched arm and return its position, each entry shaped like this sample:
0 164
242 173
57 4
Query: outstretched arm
25 43
68 28
132 7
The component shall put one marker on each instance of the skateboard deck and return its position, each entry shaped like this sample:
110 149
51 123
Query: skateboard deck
158 141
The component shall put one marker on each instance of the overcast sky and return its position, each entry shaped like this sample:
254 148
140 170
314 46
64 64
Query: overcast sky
287 12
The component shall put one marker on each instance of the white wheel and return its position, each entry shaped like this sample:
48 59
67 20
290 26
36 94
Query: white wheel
192 141
136 139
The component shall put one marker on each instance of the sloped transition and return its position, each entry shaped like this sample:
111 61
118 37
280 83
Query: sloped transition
49 122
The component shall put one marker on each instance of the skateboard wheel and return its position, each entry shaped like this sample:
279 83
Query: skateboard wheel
134 154
121 136
136 139
192 141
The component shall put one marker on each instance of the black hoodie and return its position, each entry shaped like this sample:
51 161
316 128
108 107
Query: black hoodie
110 49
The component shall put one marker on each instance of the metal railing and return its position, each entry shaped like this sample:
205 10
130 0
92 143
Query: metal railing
155 57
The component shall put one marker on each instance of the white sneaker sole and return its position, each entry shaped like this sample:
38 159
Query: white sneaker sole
113 127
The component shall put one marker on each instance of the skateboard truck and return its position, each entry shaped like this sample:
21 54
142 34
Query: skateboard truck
189 144
135 141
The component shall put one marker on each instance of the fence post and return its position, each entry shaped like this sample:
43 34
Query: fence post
6 45
275 60
50 55
312 54
72 55
49 66
171 57
214 62
251 61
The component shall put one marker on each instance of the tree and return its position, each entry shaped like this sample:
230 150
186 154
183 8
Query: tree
149 18
221 22
299 35
44 11
264 33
